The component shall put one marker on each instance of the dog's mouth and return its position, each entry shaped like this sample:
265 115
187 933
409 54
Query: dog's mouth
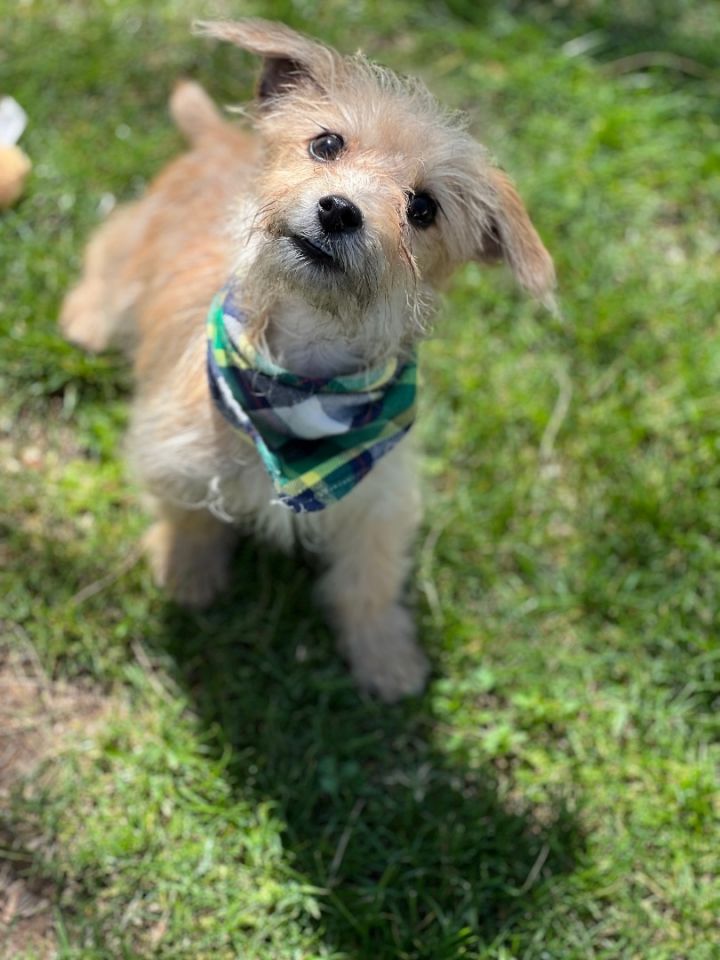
313 253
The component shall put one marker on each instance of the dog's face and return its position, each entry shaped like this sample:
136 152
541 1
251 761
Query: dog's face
371 194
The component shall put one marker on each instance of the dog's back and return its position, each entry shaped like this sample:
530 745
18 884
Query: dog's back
176 230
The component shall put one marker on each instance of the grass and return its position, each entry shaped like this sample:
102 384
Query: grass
553 795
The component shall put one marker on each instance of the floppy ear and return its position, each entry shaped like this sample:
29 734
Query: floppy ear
289 58
508 234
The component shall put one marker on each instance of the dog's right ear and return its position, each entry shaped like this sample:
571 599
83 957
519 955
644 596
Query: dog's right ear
289 58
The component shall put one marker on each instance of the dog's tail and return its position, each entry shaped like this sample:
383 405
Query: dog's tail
194 112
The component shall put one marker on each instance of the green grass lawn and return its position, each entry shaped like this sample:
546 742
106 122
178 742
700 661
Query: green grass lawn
553 794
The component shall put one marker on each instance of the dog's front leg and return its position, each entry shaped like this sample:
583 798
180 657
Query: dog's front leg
189 552
367 546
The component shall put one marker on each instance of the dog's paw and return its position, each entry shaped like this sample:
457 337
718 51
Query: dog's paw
385 657
191 570
82 318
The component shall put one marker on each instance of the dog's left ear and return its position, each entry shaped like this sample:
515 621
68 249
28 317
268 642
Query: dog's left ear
289 58
508 234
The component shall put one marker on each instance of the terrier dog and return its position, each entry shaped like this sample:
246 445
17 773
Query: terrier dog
316 244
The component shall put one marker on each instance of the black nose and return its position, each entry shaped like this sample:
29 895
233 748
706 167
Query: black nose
338 215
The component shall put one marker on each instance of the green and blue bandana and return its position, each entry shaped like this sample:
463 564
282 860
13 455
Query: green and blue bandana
317 436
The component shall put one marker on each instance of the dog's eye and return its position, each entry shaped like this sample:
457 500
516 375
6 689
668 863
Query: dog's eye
421 210
327 146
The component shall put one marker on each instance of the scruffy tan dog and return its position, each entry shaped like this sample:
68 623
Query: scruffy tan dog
327 232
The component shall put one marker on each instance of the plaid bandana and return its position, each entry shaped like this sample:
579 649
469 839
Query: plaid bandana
317 436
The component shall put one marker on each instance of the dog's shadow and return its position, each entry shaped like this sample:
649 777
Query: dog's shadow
418 853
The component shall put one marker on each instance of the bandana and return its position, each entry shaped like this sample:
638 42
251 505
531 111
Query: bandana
317 436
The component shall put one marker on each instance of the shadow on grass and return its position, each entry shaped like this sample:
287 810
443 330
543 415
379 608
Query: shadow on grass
419 850
419 855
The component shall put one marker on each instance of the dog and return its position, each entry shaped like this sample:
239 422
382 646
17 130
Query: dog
316 244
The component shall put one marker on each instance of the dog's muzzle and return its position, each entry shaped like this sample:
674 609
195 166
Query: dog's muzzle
333 241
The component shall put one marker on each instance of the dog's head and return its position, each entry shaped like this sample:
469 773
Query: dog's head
371 193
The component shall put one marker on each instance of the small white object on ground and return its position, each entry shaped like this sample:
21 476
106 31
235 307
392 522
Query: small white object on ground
13 121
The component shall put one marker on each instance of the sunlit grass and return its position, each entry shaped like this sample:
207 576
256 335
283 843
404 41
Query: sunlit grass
553 794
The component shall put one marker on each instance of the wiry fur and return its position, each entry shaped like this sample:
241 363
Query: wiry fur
228 205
